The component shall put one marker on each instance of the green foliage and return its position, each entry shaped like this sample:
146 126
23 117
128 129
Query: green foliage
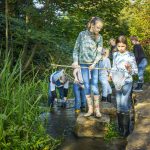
147 74
136 16
48 35
112 132
55 33
20 126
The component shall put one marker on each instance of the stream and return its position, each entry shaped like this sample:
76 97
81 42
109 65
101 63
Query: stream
60 123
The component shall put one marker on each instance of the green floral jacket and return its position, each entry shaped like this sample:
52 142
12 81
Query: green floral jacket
87 50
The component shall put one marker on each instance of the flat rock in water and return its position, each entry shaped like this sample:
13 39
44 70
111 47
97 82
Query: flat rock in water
91 126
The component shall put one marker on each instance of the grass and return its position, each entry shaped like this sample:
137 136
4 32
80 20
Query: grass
147 74
20 97
112 132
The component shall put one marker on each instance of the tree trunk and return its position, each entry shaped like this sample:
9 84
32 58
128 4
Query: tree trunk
30 58
6 23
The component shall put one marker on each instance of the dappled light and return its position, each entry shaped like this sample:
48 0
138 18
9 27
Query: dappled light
39 38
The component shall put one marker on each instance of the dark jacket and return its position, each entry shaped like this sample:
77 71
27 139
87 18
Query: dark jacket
139 53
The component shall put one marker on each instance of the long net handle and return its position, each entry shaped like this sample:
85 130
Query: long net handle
67 66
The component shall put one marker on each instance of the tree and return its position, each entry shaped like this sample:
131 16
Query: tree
137 17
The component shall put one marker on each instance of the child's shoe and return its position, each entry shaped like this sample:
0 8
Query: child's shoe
139 87
77 111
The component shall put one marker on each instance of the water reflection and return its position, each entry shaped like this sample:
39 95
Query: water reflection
92 144
60 122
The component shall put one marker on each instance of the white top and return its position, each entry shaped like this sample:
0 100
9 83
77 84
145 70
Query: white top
56 77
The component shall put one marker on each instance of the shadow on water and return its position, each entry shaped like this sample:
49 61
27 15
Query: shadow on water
60 122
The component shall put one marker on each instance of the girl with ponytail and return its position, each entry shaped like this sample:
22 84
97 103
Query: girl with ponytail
87 53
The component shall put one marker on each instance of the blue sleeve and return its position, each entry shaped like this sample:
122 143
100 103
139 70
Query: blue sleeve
57 75
108 65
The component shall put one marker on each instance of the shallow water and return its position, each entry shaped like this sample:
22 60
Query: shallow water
60 122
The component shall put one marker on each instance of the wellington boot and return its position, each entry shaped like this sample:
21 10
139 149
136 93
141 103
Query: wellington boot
90 107
97 108
109 98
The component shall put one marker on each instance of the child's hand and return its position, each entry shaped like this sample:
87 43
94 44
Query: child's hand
109 78
75 65
91 67
76 81
128 67
82 86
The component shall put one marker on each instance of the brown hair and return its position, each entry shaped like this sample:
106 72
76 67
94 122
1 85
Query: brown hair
112 39
133 38
122 39
93 21
105 52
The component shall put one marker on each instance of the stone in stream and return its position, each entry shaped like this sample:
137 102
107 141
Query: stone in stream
91 126
108 108
139 139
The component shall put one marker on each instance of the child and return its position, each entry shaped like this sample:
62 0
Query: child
87 53
113 47
124 66
104 76
58 80
141 62
79 93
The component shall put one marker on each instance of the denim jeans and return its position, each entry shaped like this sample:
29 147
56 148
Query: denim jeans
141 68
51 99
79 93
91 85
123 98
106 89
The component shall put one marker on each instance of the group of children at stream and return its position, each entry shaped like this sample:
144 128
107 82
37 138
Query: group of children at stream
92 63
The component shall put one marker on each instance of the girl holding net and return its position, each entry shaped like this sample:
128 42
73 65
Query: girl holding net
124 66
87 53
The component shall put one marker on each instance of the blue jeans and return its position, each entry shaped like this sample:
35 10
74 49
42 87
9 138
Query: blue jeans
91 85
123 98
51 97
141 68
79 93
106 89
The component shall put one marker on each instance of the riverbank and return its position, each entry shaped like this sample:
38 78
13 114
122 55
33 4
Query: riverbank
139 139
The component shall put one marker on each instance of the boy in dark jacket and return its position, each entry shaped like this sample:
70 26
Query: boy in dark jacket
140 60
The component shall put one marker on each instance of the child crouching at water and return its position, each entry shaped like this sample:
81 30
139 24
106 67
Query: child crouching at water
59 81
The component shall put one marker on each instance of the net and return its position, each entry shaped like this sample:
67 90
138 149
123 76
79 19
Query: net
118 78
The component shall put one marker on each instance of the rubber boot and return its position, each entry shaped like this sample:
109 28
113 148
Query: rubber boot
50 101
104 99
51 98
97 107
126 124
139 87
109 98
120 123
90 107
